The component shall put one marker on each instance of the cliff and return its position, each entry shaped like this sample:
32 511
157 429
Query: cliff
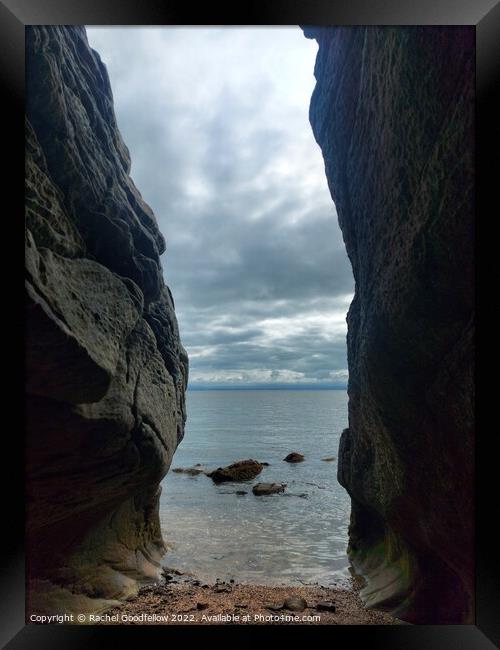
393 113
106 372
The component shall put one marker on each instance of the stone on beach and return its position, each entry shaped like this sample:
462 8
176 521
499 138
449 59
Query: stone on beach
274 608
295 604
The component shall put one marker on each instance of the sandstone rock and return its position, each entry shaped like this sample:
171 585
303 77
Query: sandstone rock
243 470
294 457
106 372
262 489
393 113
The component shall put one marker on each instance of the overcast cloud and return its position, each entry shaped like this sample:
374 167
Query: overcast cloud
216 120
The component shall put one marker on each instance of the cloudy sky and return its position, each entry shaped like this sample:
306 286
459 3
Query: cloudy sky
216 120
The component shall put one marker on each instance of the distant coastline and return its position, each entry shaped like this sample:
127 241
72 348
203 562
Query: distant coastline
200 387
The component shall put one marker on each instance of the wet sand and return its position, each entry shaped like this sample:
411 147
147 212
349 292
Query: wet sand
185 600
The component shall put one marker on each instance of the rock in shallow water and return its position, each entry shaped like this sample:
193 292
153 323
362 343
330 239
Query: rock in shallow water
294 457
262 489
243 470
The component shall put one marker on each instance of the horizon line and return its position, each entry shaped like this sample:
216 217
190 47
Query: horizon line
206 387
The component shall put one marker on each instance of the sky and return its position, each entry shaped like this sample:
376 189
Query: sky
216 121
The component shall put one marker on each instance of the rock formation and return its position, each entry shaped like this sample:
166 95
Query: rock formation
393 113
106 372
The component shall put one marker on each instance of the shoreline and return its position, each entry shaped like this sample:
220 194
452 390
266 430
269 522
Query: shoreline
183 599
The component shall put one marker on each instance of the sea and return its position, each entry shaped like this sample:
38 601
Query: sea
299 537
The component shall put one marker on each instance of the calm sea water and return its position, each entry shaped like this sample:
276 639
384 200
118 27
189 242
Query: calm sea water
276 539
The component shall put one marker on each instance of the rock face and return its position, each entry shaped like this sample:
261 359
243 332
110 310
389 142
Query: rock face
106 372
393 113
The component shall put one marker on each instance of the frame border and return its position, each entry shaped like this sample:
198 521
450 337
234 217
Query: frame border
14 16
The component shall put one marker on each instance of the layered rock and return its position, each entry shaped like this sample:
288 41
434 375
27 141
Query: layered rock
393 113
105 370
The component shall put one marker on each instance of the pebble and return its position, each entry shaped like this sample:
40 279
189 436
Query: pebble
295 604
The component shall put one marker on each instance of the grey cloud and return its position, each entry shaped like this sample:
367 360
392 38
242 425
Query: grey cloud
217 126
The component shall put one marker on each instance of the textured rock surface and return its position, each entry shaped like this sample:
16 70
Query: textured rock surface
393 113
242 470
106 372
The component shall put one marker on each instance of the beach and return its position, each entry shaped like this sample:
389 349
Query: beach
186 600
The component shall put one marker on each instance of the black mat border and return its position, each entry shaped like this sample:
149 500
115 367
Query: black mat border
14 15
